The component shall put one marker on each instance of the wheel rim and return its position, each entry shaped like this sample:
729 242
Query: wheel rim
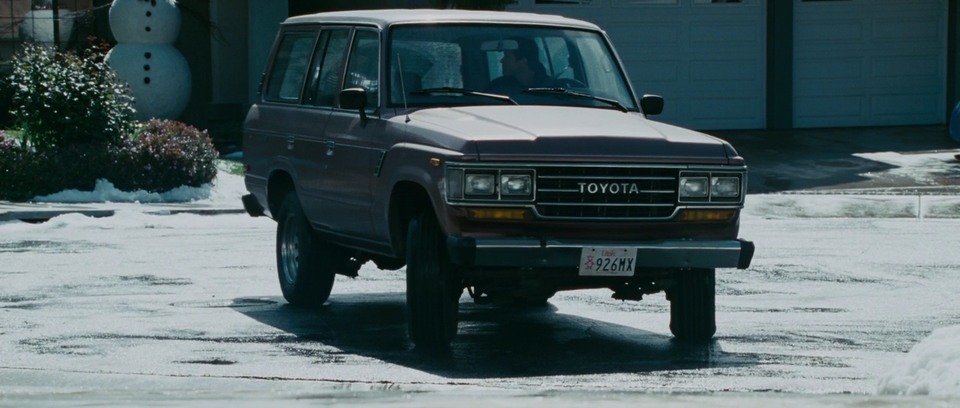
290 252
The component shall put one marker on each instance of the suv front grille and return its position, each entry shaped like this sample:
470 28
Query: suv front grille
606 192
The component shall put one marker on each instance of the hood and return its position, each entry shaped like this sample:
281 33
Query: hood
559 133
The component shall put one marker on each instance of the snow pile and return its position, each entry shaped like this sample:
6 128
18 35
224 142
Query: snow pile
225 187
920 167
932 367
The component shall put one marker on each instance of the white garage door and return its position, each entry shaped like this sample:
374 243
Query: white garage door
869 62
705 57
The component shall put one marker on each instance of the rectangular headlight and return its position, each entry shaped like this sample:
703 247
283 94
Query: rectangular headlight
694 187
479 184
725 187
516 185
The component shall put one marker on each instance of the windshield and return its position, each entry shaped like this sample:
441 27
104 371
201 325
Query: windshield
460 64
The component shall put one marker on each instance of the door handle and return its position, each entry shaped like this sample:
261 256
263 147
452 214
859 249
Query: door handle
290 140
330 146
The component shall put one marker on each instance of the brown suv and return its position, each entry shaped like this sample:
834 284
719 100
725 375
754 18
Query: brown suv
505 153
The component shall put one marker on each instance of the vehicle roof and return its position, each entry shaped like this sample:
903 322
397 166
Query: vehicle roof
387 17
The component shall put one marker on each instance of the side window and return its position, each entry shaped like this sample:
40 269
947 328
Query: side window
289 67
328 67
363 70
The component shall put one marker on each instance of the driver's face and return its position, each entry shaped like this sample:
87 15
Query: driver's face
509 63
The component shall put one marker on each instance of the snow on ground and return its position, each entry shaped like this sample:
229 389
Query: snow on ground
931 367
920 167
226 188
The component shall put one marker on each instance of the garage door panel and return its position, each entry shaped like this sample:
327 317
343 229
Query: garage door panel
909 32
725 108
711 33
653 71
724 73
827 69
868 63
664 34
905 105
917 70
831 32
832 106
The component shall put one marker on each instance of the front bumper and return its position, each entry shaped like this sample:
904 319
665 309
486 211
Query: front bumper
534 253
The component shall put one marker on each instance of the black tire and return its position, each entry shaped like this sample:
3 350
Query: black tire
433 289
304 265
693 306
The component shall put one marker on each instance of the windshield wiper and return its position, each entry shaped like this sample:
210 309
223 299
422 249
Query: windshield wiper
565 91
464 91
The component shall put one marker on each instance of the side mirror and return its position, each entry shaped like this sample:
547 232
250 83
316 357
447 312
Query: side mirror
355 98
651 104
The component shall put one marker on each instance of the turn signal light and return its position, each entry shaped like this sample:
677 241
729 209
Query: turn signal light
706 215
513 214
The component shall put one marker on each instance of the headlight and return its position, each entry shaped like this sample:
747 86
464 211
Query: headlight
710 187
490 185
516 185
694 187
725 187
479 185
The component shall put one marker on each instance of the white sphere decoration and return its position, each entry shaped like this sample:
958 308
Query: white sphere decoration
159 78
145 21
145 57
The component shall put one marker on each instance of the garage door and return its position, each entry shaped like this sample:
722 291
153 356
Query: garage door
869 62
705 57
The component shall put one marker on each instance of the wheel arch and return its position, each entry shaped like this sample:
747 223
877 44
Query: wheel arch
408 199
279 184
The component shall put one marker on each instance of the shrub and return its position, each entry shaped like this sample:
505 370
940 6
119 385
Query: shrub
27 173
12 160
166 154
62 99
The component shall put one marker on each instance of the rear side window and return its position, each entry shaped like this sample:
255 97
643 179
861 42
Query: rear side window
328 67
289 67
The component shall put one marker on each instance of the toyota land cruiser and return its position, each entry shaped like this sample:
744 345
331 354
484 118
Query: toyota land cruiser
502 153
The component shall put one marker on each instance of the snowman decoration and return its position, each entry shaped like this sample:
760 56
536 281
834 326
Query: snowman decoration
145 57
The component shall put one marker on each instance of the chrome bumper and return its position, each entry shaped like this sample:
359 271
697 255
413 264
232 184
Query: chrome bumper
532 253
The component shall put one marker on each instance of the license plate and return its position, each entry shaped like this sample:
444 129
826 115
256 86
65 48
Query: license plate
595 261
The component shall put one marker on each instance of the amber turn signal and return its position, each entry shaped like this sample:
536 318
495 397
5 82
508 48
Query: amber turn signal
512 214
706 215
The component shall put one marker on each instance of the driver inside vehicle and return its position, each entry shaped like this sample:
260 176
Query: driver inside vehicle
521 68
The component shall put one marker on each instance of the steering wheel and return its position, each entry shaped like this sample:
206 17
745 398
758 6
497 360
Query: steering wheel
570 83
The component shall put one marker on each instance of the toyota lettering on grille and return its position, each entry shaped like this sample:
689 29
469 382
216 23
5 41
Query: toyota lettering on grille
608 188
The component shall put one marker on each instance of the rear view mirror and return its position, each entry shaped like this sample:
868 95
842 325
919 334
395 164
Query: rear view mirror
499 45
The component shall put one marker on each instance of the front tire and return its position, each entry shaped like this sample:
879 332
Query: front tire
433 290
693 306
304 260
